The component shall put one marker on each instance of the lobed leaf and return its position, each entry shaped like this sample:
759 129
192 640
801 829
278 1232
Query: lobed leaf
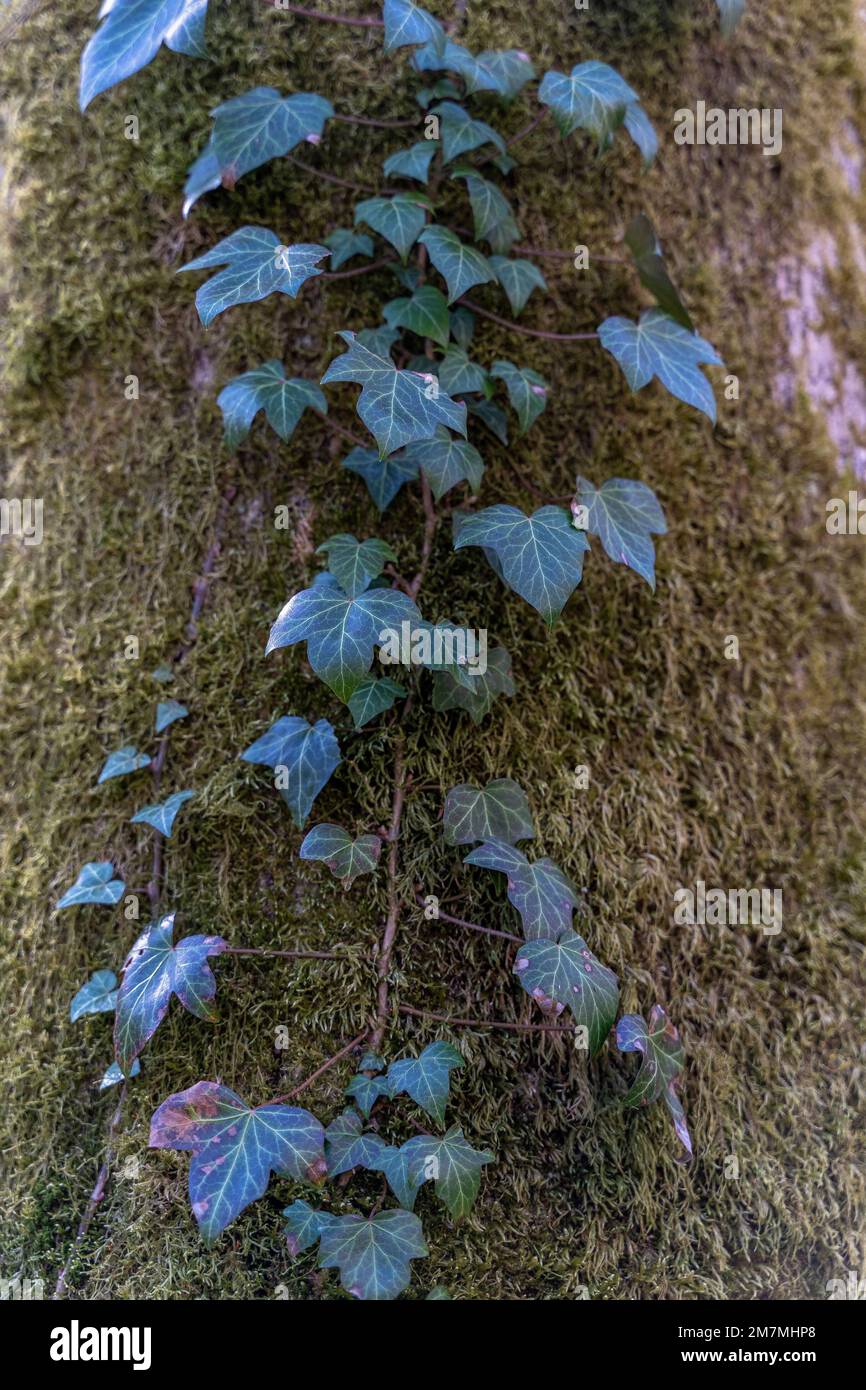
304 1226
256 264
477 697
348 1147
355 564
307 753
283 399
594 97
659 346
384 476
458 374
373 697
345 243
662 1060
345 857
425 312
565 974
527 391
98 996
446 461
454 1166
540 556
623 514
167 711
161 815
539 890
123 761
462 133
413 163
373 1253
113 1075
407 23
398 219
426 1077
130 34
493 218
94 884
460 266
518 279
497 811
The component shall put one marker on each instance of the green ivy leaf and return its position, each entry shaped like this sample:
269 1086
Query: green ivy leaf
462 326
373 1253
518 279
347 1147
498 811
565 974
98 996
494 220
379 340
397 407
267 388
642 131
477 697
413 163
659 346
492 416
731 12
345 857
454 1166
94 884
642 242
345 244
113 1075
443 88
595 98
662 1060
167 711
123 761
541 556
373 697
384 476
161 815
340 632
527 391
446 462
403 1174
260 125
154 970
304 1226
461 133
504 71
407 23
355 564
398 219
256 264
426 1077
365 1091
425 312
130 34
623 514
460 266
459 375
540 891
307 753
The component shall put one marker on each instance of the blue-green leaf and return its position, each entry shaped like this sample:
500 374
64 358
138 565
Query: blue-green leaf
373 1253
527 391
341 632
123 761
397 407
407 23
494 220
113 1075
462 326
447 461
461 133
518 278
539 890
353 563
642 131
658 346
452 1164
345 857
460 266
642 242
623 514
731 12
413 163
373 697
186 35
203 175
384 476
155 969
492 416
497 811
403 1173
345 243
365 1091
306 754
261 125
540 556
459 375
426 1077
256 264
161 814
504 71
304 1226
98 996
283 399
595 98
565 974
167 711
398 219
163 674
347 1147
662 1060
94 884
476 696
424 312
235 1148
129 36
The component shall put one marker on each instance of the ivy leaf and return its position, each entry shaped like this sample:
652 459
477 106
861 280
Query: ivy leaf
398 219
373 696
161 814
661 1063
397 407
113 1075
403 1173
167 711
509 68
565 973
642 242
235 1148
304 1226
406 23
366 1090
347 1147
454 1166
443 88
447 461
340 632
256 265
155 969
458 374
492 416
425 312
541 556
123 761
426 1077
379 340
494 220
731 12
461 133
355 564
163 674
527 391
98 996
413 163
477 697
623 514
540 891
498 811
659 346
373 1253
642 131
371 1061
345 243
462 326
518 278
94 884
283 399
203 175
595 98
129 36
261 125
345 857
384 476
306 753
460 266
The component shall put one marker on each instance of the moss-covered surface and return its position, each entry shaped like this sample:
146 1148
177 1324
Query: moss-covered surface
740 773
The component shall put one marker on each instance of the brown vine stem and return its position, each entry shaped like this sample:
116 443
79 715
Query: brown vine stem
528 332
332 178
341 429
314 1075
377 125
362 270
472 926
289 955
484 1022
96 1195
361 22
389 936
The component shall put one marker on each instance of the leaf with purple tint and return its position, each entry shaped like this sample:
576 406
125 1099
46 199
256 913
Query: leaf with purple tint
662 1060
304 1226
373 1253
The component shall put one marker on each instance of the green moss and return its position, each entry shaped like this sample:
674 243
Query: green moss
738 773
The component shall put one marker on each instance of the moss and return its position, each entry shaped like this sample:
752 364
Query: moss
738 773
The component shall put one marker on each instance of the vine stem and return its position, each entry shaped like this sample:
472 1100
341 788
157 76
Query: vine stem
361 22
529 332
362 270
484 1022
292 955
96 1195
314 1075
473 926
341 429
389 936
377 125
